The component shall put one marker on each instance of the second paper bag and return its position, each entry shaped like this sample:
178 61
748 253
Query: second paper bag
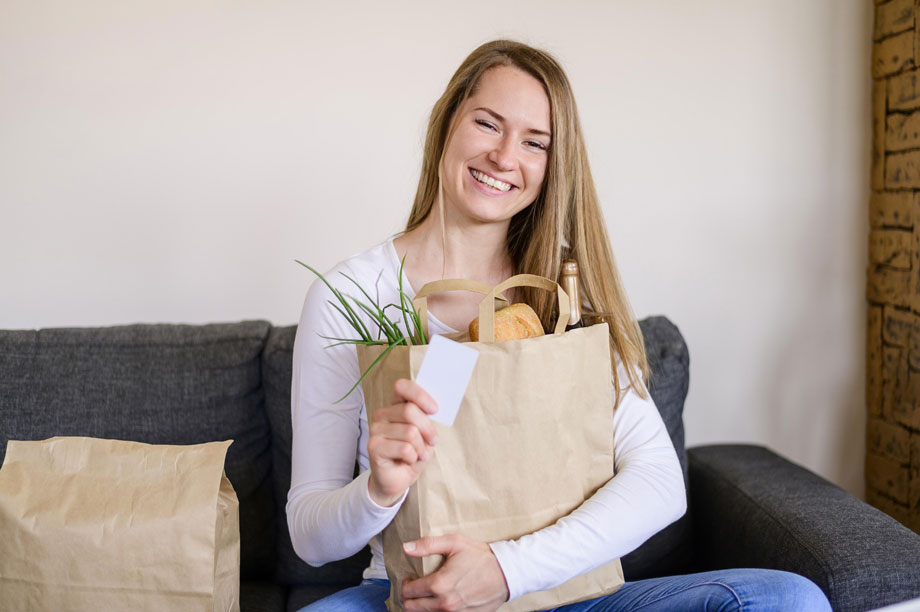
91 525
532 440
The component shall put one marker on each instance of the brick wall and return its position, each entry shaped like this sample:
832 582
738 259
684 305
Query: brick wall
893 279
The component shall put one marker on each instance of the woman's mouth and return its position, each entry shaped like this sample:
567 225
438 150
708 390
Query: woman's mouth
487 180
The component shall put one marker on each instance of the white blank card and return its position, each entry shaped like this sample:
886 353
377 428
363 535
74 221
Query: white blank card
445 373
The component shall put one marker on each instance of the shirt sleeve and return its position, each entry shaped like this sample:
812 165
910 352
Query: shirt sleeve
645 495
330 513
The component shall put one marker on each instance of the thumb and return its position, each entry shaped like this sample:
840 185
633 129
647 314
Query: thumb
432 545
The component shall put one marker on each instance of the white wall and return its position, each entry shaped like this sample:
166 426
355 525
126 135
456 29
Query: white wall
167 161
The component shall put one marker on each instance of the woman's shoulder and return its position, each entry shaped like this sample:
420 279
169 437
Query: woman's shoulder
373 270
367 266
371 260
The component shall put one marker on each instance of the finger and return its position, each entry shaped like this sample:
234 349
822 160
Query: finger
402 432
409 391
437 585
415 590
423 604
408 412
412 414
433 545
396 451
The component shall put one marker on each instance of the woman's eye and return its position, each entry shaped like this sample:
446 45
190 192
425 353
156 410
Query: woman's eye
536 144
485 124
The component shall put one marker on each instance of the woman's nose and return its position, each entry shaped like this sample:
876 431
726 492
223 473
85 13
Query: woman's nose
503 155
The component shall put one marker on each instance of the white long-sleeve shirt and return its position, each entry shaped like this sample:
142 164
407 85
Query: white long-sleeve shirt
331 515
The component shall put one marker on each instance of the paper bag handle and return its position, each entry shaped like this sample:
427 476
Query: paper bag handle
420 301
487 310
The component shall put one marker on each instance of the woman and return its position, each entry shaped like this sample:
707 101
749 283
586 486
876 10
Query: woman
505 188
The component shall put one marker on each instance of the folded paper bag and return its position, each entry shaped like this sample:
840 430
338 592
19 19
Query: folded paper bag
92 524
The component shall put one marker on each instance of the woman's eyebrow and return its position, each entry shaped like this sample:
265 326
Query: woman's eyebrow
500 118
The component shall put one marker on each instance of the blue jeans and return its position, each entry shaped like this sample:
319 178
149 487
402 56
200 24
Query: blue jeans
750 590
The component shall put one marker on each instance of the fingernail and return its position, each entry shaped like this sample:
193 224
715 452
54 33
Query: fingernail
426 455
432 407
434 439
409 546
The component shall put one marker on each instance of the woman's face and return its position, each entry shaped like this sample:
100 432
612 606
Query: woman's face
495 161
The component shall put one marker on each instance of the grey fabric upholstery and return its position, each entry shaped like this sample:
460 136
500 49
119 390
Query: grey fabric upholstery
289 568
303 595
262 596
752 508
184 384
670 550
160 384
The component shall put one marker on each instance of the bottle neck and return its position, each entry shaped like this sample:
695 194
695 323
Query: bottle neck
569 284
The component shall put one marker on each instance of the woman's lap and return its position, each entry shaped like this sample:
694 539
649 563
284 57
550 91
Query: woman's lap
751 590
369 596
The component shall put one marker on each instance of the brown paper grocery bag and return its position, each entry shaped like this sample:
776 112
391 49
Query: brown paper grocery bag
92 525
532 440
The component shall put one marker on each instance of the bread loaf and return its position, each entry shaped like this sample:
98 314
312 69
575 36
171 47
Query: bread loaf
512 323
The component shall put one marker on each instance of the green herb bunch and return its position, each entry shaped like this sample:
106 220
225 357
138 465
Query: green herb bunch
392 335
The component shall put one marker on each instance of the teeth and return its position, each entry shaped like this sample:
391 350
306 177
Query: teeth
491 182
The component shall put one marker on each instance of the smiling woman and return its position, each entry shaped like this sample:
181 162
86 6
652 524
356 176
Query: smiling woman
505 189
496 157
493 166
520 100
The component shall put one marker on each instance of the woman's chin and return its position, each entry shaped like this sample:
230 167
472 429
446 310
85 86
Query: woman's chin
477 208
487 217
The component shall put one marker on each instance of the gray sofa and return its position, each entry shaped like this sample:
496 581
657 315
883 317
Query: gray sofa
184 384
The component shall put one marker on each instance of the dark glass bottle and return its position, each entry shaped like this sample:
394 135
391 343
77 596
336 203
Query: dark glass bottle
569 282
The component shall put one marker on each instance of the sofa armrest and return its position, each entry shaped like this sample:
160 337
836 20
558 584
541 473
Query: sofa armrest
752 508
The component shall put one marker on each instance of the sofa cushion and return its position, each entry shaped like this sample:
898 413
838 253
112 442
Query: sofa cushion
291 569
669 551
262 596
160 384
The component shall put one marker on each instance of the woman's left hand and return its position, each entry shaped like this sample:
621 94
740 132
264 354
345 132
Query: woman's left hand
469 579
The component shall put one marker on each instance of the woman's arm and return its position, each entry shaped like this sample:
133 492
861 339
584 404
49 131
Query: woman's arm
331 516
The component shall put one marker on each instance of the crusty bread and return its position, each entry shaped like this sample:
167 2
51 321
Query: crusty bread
512 323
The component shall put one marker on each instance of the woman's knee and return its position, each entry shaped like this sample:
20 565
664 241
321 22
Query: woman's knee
779 590
801 594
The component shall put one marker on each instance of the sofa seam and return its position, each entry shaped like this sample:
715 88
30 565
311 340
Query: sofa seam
132 345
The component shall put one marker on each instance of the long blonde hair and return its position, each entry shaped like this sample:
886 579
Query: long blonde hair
566 211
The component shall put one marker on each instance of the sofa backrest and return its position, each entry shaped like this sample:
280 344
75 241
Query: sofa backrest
667 552
276 376
187 384
159 384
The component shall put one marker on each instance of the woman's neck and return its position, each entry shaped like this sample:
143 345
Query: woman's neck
476 252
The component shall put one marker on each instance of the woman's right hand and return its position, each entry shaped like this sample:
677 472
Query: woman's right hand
401 441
